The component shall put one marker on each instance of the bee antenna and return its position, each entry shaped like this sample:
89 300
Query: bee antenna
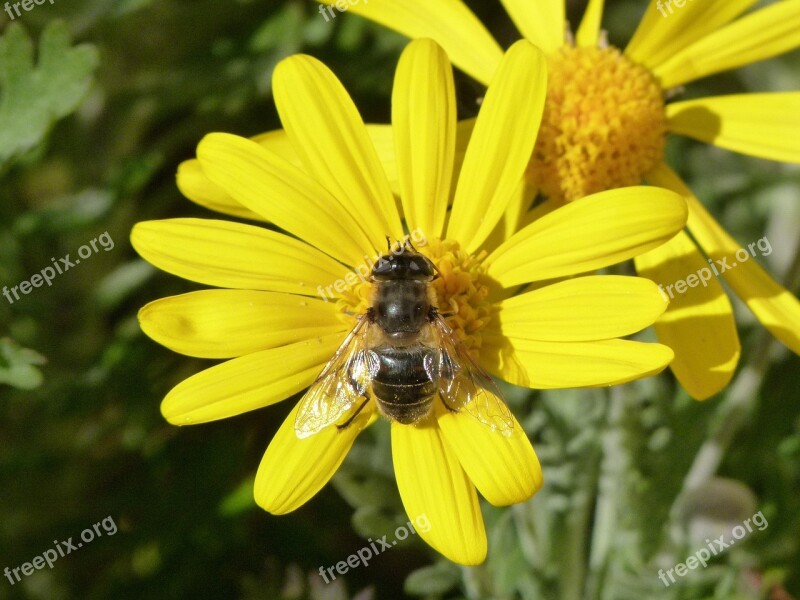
388 244
410 245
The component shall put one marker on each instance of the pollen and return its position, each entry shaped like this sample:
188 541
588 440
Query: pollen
603 127
460 291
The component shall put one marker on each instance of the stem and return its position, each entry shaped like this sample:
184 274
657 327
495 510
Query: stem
573 568
739 404
609 487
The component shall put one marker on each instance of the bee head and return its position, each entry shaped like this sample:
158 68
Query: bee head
403 264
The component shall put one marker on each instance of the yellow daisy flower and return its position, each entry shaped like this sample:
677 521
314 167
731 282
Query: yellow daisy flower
277 320
604 126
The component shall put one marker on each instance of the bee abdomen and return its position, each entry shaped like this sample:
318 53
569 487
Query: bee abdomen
403 393
401 385
407 413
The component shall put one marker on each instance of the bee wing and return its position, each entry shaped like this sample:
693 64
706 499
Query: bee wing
341 384
464 385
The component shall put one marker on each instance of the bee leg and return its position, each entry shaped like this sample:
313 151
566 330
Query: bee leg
346 424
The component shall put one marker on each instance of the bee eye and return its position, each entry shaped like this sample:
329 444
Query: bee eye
417 309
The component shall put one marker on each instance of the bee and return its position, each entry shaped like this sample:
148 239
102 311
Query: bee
402 354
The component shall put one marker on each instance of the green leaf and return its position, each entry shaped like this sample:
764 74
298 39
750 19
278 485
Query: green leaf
371 521
436 579
34 96
17 365
239 500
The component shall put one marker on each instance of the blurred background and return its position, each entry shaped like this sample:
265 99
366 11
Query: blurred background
100 100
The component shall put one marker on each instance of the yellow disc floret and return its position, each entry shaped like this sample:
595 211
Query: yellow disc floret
603 126
460 291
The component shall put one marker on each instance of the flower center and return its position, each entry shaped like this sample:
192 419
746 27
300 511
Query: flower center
603 126
460 291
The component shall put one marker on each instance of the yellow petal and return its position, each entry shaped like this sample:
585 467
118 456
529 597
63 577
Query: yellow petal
329 136
504 468
278 142
248 382
229 323
501 145
588 33
515 213
763 34
593 232
582 309
197 187
773 305
763 125
543 208
449 22
464 131
424 121
283 194
225 254
383 139
666 29
699 324
293 470
545 365
434 487
542 22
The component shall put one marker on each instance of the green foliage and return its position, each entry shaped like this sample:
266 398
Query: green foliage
90 138
436 579
33 95
18 365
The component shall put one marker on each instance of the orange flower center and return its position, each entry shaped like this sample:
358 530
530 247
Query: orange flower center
603 127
